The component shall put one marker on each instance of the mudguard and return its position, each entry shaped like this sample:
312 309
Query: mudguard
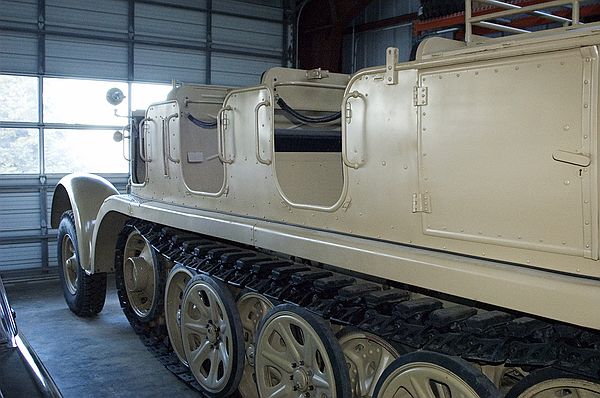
84 194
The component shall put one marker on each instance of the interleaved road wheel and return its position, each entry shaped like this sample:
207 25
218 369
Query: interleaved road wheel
212 337
552 383
177 281
428 374
252 308
297 355
140 278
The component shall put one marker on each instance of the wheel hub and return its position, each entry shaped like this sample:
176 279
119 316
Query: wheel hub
212 333
70 264
139 273
141 276
301 380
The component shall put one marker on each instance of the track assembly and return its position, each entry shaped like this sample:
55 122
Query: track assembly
212 336
389 342
298 356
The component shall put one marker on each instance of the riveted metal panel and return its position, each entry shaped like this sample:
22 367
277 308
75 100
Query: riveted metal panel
494 178
106 15
18 52
158 64
86 58
166 23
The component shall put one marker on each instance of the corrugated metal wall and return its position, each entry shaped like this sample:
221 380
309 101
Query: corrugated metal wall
366 49
195 41
25 205
143 40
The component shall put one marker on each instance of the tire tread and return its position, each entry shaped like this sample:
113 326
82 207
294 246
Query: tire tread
89 299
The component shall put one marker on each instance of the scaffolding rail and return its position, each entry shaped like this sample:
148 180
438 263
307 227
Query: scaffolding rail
509 10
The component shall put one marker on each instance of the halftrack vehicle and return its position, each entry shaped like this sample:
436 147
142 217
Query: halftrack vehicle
420 229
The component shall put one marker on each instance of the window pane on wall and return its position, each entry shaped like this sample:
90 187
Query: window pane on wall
76 101
19 151
142 95
93 151
19 96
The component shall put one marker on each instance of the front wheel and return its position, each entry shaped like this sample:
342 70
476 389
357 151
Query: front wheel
84 294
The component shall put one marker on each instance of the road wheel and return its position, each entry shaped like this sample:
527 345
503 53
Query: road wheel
252 308
429 374
211 332
140 278
297 355
552 383
84 294
177 281
367 356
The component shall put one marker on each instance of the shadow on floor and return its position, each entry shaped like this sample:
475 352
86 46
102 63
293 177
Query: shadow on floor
97 357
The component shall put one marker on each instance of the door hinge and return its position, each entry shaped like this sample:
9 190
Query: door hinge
316 74
420 96
421 203
348 113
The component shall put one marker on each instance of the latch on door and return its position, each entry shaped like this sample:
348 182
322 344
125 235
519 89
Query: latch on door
574 158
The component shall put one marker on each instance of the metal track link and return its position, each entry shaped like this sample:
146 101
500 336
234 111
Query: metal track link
485 337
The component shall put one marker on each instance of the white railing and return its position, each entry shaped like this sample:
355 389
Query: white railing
509 9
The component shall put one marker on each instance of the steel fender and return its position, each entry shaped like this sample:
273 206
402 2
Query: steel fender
84 194
111 219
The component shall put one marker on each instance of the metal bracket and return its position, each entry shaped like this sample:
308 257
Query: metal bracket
224 121
391 60
348 113
420 96
316 74
421 203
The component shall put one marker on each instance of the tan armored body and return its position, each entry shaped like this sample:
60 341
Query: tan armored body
425 229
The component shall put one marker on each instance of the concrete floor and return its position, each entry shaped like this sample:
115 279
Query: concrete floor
97 357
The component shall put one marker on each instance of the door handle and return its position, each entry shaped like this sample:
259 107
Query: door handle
574 158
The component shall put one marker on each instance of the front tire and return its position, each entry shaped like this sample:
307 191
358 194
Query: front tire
84 294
